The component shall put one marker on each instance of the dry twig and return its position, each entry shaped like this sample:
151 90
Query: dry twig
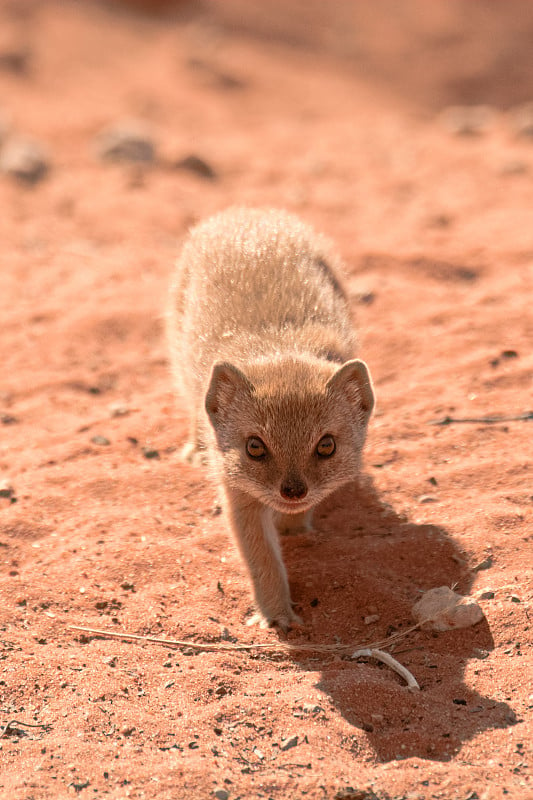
5 729
283 647
494 420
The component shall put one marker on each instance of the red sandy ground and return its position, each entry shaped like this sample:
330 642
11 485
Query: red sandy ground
339 124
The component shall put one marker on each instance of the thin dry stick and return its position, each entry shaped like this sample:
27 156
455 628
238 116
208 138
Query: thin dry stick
11 722
273 647
483 420
370 652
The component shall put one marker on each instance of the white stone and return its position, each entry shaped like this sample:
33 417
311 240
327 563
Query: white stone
442 609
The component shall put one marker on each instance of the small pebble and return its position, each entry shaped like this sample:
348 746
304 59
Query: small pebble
428 498
6 489
467 120
290 741
485 564
521 119
149 452
487 595
100 440
221 794
505 355
371 618
442 609
197 165
118 410
15 59
126 142
4 127
311 708
24 159
439 221
514 166
366 298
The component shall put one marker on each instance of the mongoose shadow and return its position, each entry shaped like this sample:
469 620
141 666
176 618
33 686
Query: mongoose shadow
364 561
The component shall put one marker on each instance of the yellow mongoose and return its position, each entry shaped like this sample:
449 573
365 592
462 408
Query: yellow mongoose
261 347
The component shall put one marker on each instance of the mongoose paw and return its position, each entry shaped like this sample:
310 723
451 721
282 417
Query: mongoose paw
291 524
295 530
257 619
191 454
284 621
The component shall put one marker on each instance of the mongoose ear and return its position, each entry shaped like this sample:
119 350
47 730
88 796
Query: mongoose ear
226 381
353 379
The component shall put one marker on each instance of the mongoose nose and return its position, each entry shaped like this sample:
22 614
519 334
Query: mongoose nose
293 490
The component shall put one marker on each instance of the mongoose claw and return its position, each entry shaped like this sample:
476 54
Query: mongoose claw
284 621
287 621
190 454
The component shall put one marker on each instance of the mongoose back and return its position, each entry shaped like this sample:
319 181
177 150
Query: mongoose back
262 351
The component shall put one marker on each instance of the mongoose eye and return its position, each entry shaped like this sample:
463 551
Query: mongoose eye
326 446
256 448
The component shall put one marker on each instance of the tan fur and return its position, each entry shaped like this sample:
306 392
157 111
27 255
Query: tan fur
261 342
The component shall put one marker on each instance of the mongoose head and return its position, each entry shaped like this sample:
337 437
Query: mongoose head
290 431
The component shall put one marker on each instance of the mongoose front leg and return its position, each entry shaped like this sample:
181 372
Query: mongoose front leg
295 523
257 538
194 451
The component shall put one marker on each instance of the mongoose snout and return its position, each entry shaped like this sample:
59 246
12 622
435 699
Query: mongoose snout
293 489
